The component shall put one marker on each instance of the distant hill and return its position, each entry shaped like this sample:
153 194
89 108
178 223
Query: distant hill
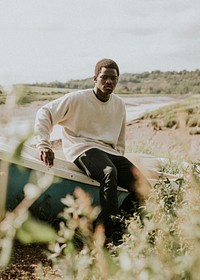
154 82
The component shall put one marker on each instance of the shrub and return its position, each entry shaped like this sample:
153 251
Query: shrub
193 121
170 121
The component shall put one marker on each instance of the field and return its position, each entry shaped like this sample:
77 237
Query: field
161 241
26 94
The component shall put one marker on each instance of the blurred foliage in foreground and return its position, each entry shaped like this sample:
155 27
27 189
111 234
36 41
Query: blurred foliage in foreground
163 243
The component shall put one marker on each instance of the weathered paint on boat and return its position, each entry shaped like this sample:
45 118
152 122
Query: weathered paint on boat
66 178
48 205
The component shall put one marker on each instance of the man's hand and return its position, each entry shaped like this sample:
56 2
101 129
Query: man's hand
47 156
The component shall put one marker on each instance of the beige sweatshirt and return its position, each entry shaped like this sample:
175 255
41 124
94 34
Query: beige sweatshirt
86 123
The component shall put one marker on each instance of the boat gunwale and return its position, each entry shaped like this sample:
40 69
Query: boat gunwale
60 168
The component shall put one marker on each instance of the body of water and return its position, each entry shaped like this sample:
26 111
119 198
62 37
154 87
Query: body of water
135 107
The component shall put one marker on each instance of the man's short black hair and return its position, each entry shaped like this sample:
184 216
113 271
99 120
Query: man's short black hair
107 63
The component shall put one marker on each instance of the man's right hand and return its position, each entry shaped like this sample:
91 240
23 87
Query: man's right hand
47 156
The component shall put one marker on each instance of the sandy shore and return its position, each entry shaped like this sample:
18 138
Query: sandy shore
173 143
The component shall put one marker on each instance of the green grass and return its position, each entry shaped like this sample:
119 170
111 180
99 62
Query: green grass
27 94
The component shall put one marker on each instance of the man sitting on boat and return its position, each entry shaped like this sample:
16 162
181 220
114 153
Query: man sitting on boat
93 137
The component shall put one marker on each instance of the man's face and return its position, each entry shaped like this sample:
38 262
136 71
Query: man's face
106 80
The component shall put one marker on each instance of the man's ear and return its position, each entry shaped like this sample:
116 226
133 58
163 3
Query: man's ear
95 78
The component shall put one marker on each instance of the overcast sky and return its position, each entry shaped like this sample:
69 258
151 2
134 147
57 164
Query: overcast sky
49 40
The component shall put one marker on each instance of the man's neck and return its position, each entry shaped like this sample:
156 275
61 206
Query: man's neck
107 97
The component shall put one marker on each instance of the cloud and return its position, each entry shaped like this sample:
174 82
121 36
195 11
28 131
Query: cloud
59 40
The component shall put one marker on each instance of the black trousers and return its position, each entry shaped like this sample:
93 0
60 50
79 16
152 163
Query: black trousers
110 171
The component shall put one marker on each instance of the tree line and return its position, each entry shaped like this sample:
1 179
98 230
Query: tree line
155 82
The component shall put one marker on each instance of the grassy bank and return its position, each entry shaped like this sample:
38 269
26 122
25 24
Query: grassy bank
26 94
184 113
